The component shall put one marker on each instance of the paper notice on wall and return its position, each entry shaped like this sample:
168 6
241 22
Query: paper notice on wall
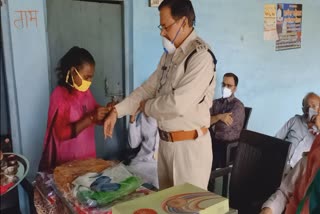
270 31
289 20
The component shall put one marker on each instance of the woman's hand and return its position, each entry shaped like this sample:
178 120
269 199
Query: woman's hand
111 104
100 113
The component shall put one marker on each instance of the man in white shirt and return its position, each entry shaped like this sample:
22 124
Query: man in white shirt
300 130
143 133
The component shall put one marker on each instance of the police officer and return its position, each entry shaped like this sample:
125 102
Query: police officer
178 95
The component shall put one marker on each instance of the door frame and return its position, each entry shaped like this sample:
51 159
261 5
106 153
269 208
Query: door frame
10 80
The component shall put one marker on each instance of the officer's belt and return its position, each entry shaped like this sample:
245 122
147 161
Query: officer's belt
181 135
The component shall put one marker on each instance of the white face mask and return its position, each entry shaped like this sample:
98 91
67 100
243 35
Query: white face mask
312 113
168 46
226 92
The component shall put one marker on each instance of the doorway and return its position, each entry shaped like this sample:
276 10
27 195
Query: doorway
97 26
5 129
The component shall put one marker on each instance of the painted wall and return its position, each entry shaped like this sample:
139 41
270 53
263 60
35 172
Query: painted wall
147 47
272 83
25 45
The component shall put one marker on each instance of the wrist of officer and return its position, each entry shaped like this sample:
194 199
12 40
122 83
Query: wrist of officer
114 112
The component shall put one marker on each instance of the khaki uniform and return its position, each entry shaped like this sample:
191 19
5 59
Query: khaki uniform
179 100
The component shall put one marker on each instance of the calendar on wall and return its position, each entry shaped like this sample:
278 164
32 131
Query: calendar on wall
154 3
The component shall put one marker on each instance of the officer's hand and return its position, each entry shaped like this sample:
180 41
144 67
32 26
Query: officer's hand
266 210
142 106
227 118
109 123
132 118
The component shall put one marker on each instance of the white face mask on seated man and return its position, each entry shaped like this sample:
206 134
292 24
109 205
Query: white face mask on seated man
226 92
312 114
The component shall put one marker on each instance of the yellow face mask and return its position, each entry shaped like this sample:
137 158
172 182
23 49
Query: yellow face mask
85 85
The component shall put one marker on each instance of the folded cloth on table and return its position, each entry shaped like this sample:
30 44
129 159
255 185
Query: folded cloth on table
66 173
99 189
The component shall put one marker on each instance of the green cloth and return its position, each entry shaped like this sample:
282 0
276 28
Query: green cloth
91 198
313 193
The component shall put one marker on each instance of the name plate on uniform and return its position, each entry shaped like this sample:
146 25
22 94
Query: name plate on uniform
184 198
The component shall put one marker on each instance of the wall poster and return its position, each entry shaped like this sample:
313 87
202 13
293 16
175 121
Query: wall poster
288 25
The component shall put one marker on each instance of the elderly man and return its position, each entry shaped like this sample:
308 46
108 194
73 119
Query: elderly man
178 95
300 130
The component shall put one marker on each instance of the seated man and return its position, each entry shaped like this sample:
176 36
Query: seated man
143 133
300 129
227 119
299 191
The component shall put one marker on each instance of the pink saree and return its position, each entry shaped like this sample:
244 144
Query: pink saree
60 143
313 165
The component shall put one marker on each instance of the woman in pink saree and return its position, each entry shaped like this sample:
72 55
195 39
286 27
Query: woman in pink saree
73 112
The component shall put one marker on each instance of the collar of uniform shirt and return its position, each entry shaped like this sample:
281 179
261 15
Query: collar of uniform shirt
185 43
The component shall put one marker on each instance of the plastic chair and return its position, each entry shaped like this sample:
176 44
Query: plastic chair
233 145
257 170
247 112
230 154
